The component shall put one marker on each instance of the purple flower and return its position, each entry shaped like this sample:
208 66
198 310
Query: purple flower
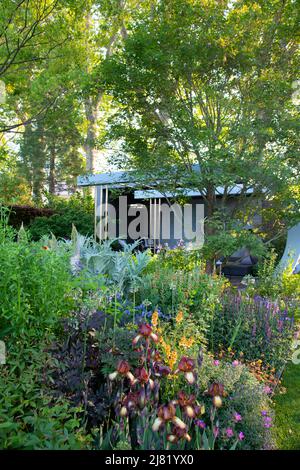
237 417
200 423
216 362
229 432
267 422
241 436
267 389
264 413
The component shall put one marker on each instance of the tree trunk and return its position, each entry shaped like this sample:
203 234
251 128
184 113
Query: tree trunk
91 110
52 171
209 228
38 163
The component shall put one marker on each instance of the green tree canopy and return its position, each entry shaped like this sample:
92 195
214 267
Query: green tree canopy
209 82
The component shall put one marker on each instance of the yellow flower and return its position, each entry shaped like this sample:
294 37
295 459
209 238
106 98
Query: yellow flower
167 350
154 319
186 343
172 359
179 317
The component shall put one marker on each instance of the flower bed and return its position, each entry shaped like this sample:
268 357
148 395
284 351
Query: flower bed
114 352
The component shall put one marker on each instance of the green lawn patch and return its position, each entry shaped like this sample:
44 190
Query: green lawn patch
287 406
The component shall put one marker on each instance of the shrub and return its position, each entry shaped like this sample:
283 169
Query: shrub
36 289
275 284
26 215
194 291
177 259
77 210
253 327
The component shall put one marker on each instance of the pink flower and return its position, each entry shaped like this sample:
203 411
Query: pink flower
237 417
229 432
267 422
216 362
235 363
267 389
241 436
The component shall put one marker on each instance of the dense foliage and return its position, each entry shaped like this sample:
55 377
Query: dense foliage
110 351
104 346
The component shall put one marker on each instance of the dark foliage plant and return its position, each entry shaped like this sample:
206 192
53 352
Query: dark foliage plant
26 215
82 355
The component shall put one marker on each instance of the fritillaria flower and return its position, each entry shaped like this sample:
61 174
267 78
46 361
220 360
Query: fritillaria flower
216 391
177 434
187 403
143 377
123 369
187 365
160 370
145 331
217 401
166 413
128 403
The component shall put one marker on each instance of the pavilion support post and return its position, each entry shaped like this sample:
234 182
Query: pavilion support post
159 220
100 213
106 212
154 226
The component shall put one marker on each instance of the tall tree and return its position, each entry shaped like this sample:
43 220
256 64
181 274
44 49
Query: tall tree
210 82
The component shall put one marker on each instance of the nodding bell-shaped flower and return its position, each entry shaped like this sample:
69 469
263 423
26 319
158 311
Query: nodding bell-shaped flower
217 401
143 377
177 434
167 413
187 365
145 331
129 402
216 391
187 404
160 370
123 369
123 412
